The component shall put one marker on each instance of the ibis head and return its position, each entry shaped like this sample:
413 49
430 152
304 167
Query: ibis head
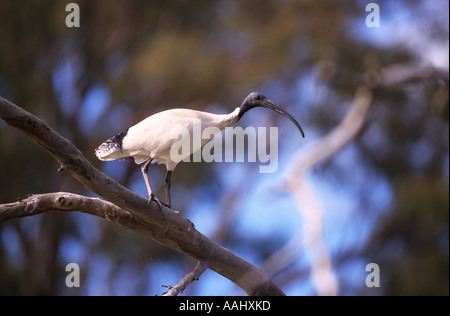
256 99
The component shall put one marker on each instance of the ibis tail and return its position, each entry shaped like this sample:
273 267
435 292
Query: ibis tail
112 149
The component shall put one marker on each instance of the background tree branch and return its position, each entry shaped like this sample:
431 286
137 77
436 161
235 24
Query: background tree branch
163 226
187 279
310 204
309 237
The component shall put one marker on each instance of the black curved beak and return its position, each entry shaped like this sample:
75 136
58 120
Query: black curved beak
268 104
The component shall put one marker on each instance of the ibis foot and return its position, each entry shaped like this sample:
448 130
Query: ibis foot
152 197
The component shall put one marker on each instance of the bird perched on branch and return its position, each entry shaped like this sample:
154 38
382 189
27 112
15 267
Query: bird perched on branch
151 140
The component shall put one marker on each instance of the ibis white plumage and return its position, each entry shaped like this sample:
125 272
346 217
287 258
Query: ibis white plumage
150 141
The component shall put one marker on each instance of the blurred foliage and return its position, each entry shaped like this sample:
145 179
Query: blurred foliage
413 240
145 56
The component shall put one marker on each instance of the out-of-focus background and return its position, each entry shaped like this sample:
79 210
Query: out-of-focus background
382 198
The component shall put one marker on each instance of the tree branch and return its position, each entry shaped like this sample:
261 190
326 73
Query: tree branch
297 184
188 279
309 238
63 201
164 226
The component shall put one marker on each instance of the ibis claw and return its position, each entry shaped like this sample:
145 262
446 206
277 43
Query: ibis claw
152 197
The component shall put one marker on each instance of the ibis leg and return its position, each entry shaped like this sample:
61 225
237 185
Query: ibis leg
167 187
144 170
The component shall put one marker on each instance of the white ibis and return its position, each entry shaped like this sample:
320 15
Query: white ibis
150 141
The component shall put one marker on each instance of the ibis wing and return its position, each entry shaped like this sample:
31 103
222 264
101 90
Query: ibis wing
155 136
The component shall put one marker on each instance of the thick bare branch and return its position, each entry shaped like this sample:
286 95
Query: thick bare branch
63 201
164 225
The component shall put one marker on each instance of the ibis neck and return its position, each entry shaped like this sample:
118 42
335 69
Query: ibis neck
222 121
233 117
244 108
